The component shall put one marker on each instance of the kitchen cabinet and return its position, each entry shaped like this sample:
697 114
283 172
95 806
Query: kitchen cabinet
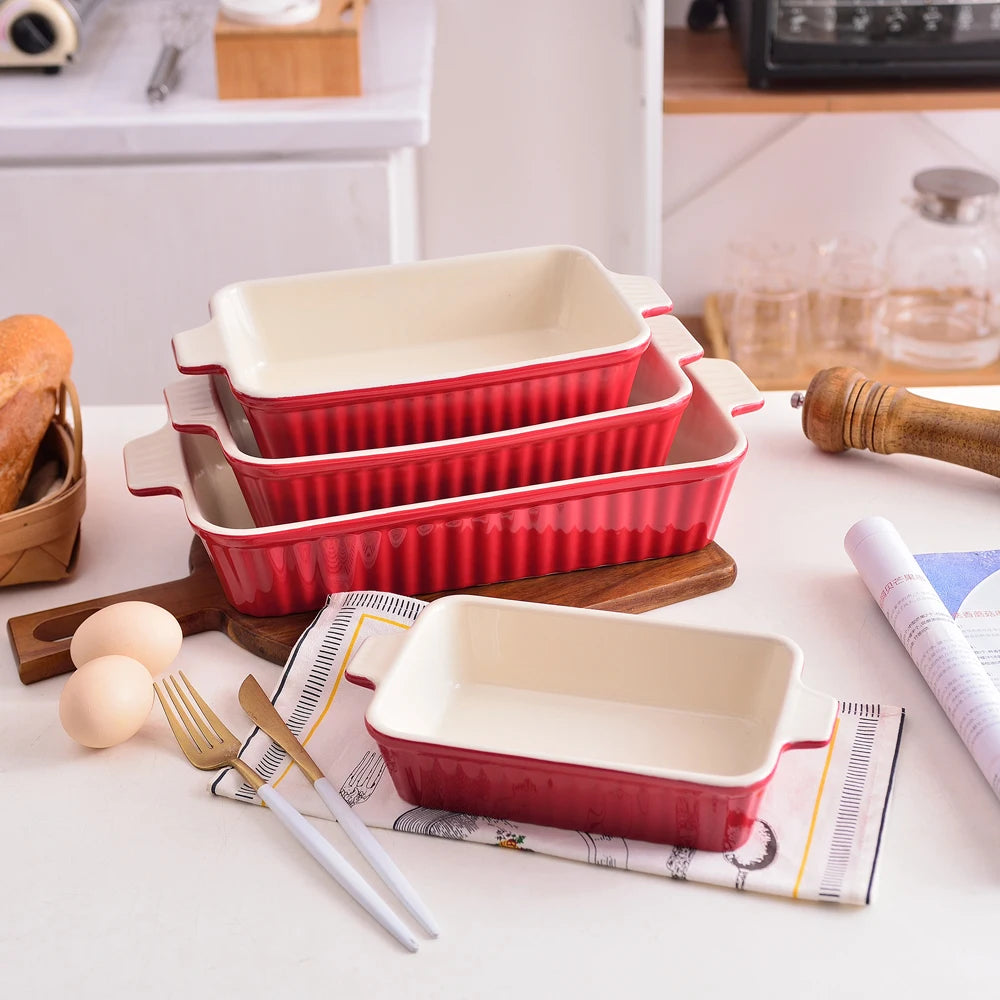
120 218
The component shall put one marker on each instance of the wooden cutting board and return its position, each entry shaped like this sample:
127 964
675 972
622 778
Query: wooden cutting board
41 640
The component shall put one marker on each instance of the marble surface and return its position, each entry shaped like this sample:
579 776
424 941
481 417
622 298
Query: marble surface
123 877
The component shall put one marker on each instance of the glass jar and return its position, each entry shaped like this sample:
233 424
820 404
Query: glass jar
943 267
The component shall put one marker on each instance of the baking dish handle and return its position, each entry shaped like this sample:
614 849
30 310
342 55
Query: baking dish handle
154 464
642 293
373 660
673 339
808 719
728 385
200 349
192 407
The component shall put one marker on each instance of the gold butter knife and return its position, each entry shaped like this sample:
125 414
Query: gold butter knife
258 706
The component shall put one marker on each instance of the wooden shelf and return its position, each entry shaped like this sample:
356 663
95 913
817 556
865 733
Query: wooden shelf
707 331
702 74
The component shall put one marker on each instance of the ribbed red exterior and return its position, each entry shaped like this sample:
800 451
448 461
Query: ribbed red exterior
301 490
384 417
475 540
572 796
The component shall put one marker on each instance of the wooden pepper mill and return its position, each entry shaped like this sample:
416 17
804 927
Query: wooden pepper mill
843 409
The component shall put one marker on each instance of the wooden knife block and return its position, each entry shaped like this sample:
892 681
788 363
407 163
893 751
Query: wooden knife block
321 58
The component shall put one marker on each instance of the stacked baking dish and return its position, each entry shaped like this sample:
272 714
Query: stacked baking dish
439 425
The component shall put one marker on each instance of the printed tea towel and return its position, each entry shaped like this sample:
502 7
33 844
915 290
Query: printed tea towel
817 835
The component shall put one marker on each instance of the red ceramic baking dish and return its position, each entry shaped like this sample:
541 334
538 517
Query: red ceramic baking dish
298 489
383 356
587 720
464 541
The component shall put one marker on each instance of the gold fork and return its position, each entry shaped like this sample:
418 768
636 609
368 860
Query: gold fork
209 745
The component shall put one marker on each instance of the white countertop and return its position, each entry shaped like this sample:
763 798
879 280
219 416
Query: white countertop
97 107
122 877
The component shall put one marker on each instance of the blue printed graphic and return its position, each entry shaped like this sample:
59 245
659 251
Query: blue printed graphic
954 575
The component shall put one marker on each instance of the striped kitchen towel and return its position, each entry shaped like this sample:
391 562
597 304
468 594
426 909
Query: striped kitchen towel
818 833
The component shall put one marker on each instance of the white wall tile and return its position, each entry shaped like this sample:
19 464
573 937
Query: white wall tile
814 177
978 132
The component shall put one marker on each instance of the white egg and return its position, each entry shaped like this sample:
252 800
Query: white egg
106 701
146 632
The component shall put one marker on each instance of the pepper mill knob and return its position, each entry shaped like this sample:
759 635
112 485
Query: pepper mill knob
844 409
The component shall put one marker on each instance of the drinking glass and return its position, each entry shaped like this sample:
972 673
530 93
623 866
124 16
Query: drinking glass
848 320
770 320
843 248
745 258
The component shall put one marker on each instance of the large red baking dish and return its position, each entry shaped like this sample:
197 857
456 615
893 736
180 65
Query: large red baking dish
297 489
450 544
383 356
587 720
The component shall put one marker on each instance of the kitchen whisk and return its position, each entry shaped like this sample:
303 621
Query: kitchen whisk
181 25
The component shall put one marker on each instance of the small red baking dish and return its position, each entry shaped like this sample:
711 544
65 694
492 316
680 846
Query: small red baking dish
298 489
384 356
450 544
587 720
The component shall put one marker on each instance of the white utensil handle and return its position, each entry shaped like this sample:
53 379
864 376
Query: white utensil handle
374 853
328 857
643 293
192 406
674 340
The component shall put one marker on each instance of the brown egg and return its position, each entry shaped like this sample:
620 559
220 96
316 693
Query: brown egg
106 701
144 631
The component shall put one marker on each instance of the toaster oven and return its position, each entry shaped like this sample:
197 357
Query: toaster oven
815 40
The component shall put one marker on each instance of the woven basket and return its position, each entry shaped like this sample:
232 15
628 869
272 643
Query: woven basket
40 541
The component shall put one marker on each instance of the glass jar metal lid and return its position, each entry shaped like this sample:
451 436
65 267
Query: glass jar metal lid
954 194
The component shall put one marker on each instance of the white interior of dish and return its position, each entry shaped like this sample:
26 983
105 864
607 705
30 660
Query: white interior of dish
589 688
706 435
235 419
218 500
394 325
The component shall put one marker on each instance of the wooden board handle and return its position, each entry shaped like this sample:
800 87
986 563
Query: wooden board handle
41 640
843 409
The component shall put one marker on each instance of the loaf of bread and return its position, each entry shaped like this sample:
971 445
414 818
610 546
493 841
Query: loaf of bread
35 359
